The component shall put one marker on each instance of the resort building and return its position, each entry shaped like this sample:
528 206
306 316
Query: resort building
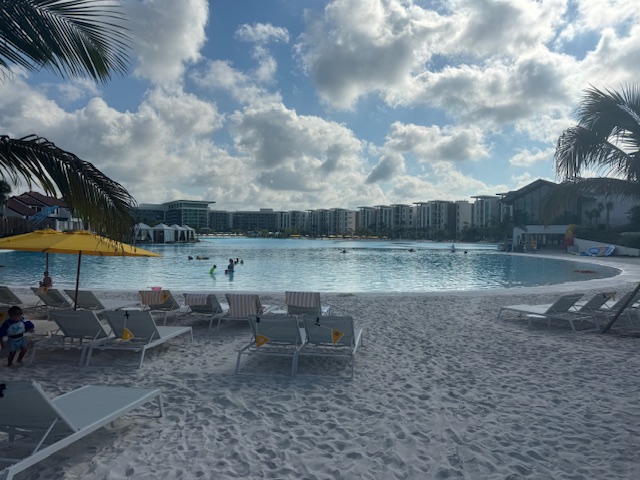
342 221
464 215
220 220
194 213
526 204
253 221
367 218
486 209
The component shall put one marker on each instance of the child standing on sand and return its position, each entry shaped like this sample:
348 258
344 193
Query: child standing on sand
14 328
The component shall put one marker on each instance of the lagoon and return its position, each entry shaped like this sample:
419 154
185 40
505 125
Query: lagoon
272 265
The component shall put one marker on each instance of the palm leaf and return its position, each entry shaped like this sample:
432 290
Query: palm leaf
104 204
77 38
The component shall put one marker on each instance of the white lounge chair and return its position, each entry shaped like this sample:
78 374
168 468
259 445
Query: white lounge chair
88 301
303 303
159 301
146 334
7 297
274 335
561 305
34 426
206 304
608 310
51 297
78 329
331 336
241 305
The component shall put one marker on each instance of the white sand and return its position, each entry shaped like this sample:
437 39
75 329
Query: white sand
441 390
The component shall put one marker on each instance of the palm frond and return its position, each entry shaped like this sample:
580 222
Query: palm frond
103 203
77 38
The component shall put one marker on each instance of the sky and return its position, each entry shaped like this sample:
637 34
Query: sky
291 104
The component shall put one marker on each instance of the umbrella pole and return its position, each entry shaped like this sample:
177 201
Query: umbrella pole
75 300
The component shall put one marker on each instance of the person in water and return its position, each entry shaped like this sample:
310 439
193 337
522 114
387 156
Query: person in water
213 270
231 266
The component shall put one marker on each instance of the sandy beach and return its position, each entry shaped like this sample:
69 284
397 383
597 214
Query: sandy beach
441 390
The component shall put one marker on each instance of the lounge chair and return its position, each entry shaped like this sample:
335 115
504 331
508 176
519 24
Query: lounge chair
241 305
34 426
331 336
561 305
51 297
159 301
7 297
88 301
303 303
140 324
274 335
607 311
78 329
206 304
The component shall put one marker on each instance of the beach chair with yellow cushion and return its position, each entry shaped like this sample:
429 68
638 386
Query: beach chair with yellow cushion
274 335
331 336
136 331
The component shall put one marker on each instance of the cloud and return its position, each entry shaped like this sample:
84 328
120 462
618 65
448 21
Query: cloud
427 145
262 33
527 158
167 35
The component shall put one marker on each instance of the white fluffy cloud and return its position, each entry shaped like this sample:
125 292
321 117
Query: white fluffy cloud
167 35
262 33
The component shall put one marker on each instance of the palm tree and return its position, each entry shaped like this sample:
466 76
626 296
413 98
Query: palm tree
606 140
74 38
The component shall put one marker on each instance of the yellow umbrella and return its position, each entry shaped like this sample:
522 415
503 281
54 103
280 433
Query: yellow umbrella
80 242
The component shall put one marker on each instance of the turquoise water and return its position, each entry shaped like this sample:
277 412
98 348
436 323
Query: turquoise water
272 265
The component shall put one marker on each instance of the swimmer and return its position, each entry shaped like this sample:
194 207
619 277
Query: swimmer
241 262
343 251
213 270
190 257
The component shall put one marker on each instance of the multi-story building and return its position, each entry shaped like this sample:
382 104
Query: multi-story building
464 215
220 220
367 218
342 221
194 213
298 220
248 221
486 209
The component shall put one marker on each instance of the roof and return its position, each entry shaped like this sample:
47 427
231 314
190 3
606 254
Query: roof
19 207
49 201
511 197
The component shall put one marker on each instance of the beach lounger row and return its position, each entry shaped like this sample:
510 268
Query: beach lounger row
313 335
599 308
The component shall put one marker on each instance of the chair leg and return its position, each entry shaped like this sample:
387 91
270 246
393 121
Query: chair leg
161 405
141 357
238 362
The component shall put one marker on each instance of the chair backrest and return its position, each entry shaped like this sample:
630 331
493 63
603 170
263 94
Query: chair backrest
594 304
564 303
139 323
86 299
78 324
25 405
300 303
278 329
326 330
623 299
196 303
158 299
7 297
241 305
51 297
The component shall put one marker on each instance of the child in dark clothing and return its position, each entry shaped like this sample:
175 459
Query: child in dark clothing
14 328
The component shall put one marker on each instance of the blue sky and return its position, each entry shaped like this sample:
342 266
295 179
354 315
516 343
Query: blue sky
343 103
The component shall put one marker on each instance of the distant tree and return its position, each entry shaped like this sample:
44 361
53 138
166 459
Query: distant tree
5 191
